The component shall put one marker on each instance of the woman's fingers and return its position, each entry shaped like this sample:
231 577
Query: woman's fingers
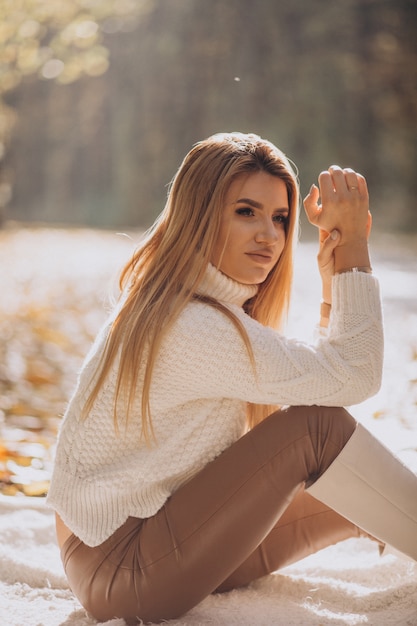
351 180
363 187
368 225
311 206
327 184
343 180
335 180
328 242
326 261
344 201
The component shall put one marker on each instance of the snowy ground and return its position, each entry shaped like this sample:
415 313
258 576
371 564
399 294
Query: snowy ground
59 280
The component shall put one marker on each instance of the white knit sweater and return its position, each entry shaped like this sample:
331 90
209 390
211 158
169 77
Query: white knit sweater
201 383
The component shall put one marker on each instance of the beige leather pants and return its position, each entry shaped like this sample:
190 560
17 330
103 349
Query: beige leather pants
243 516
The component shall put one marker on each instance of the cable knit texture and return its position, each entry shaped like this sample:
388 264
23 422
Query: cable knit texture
202 380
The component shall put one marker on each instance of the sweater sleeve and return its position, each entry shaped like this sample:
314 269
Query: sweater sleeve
204 355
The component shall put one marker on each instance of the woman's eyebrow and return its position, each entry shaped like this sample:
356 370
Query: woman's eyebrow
253 203
258 205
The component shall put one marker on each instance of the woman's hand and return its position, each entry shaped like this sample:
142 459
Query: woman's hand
325 260
344 212
344 203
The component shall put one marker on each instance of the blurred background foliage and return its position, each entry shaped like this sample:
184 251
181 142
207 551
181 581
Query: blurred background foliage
101 99
99 102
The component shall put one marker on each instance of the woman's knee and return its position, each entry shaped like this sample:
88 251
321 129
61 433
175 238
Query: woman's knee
338 421
327 429
330 428
297 423
329 416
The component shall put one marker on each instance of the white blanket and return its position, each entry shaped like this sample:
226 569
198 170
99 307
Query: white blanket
347 584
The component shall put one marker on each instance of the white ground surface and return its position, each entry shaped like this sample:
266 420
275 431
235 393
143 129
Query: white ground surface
348 584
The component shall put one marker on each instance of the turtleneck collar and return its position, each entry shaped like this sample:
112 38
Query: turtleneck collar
220 287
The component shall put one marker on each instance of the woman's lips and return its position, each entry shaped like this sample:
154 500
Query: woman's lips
259 257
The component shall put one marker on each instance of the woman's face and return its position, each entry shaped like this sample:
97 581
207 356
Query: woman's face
252 230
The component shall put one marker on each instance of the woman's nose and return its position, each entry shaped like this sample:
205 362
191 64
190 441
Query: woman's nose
267 232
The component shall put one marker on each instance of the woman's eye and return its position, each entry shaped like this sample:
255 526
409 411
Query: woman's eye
245 211
281 219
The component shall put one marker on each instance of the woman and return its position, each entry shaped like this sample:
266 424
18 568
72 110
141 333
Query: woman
176 473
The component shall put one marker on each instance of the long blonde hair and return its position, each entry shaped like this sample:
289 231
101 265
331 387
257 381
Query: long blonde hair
165 270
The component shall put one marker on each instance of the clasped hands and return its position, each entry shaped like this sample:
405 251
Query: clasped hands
343 220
